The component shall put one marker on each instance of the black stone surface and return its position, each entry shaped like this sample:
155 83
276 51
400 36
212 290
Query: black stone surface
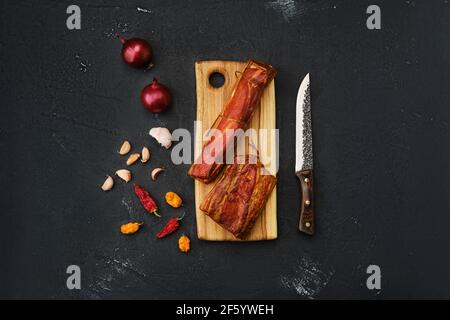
381 117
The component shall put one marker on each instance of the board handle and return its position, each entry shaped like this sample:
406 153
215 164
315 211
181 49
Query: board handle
217 78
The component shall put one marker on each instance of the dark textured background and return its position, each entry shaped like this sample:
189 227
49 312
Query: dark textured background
381 122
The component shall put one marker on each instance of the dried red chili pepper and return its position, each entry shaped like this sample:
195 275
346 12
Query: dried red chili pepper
171 226
146 200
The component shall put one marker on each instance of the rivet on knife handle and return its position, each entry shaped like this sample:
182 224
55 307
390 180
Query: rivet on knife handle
306 224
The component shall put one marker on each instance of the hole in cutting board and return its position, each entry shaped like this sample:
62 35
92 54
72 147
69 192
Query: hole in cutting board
216 79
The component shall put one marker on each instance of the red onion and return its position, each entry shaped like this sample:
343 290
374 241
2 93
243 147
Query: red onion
156 97
136 52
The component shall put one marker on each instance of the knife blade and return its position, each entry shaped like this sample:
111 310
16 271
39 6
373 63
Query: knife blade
304 156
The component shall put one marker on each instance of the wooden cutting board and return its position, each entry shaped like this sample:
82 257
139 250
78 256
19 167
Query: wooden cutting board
210 102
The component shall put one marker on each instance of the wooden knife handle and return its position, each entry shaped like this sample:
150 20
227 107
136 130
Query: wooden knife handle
307 204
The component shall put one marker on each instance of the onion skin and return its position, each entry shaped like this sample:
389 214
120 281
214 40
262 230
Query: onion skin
136 52
156 97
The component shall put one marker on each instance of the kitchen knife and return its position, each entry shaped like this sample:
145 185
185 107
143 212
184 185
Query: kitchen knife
304 157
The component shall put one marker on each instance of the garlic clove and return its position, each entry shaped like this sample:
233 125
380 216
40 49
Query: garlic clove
133 158
108 184
162 135
156 172
124 174
145 155
125 148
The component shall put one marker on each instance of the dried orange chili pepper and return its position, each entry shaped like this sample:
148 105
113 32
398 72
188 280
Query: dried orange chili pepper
184 244
130 227
146 200
173 199
171 226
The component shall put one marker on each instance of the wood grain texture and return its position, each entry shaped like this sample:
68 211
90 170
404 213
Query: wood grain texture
210 102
